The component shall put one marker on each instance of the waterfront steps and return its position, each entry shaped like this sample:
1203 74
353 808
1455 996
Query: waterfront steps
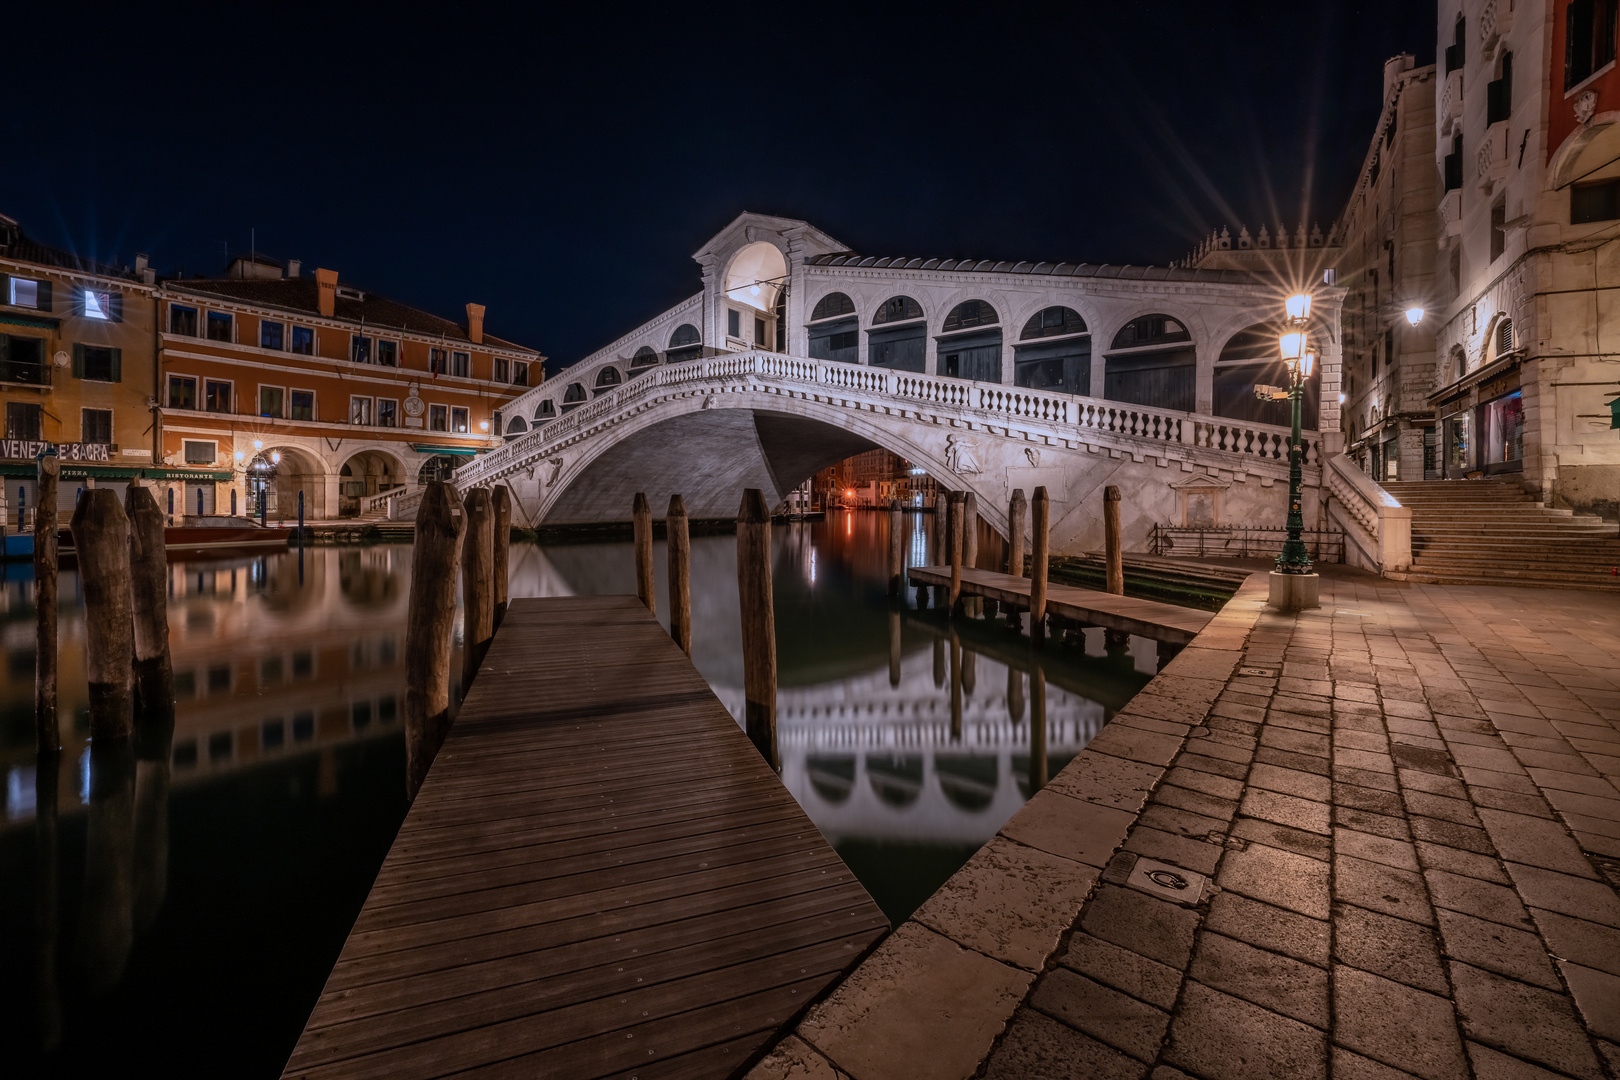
1493 532
599 877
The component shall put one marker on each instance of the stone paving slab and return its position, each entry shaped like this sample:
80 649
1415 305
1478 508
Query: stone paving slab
1407 804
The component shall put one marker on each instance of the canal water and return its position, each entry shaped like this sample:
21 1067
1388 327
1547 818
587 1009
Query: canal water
181 917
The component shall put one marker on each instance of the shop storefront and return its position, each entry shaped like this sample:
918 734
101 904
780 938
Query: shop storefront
1481 424
79 472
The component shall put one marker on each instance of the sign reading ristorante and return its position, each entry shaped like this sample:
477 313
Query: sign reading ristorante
29 449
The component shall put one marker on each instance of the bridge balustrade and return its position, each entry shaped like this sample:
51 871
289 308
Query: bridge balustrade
1121 419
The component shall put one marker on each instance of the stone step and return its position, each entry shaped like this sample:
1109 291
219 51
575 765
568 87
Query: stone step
1487 559
1596 583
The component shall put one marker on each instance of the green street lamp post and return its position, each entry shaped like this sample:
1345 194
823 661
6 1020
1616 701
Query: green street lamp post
1300 361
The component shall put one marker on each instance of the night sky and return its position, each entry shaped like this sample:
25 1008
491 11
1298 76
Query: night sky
561 165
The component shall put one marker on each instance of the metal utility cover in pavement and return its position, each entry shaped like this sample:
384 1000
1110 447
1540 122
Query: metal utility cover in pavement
1262 672
1168 882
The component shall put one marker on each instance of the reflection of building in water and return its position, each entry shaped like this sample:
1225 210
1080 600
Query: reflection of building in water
268 661
875 762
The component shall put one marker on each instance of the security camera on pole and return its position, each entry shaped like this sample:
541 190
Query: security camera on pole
1294 585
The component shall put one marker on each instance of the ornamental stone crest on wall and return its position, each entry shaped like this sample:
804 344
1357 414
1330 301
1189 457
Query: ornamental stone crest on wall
959 456
1585 106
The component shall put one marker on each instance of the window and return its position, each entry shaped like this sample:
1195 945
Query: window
97 363
1454 52
29 294
1589 36
1453 164
458 420
197 452
832 306
438 361
759 331
645 357
520 374
216 396
607 379
303 340
182 392
387 413
573 397
102 304
1499 93
461 364
684 344
1053 322
1597 201
546 410
270 335
219 326
182 320
897 309
388 353
734 323
1150 330
270 400
23 421
438 418
360 349
22 360
503 369
360 410
973 313
303 405
1498 230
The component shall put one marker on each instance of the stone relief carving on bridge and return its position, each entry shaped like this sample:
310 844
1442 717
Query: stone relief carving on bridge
959 455
556 464
1033 455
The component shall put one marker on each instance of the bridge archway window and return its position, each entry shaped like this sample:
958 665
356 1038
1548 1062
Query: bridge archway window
516 426
899 336
1251 358
833 778
606 380
685 344
573 397
1152 363
1054 352
645 359
546 410
970 343
968 781
834 330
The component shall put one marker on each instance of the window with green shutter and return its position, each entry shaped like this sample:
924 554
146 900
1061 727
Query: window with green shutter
97 363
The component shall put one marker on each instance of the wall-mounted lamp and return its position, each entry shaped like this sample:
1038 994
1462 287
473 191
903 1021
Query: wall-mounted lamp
1414 315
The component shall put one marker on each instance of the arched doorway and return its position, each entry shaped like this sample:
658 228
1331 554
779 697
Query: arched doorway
366 473
755 281
834 334
276 475
970 343
899 336
1252 358
437 467
1054 352
1152 362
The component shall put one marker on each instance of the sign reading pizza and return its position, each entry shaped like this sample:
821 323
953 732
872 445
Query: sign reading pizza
29 449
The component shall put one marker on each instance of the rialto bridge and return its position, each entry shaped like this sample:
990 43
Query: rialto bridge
990 377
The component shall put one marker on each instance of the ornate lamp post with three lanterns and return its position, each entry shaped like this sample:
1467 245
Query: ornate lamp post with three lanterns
1294 585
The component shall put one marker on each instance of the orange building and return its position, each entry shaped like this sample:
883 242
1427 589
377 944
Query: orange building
290 383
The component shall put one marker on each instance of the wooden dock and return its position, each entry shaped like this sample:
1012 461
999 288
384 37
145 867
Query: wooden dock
599 878
1146 618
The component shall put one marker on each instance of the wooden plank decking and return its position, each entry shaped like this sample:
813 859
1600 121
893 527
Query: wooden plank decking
599 878
1148 618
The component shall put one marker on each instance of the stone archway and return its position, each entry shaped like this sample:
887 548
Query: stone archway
364 473
281 472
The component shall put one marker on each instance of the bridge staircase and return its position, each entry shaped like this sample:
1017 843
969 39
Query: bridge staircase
1492 532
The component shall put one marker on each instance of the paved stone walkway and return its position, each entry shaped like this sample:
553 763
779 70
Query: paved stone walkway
1406 805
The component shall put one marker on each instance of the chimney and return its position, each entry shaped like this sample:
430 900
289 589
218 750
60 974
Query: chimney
475 323
140 263
294 266
326 283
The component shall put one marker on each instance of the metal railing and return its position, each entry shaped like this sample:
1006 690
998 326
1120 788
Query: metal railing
1242 542
18 371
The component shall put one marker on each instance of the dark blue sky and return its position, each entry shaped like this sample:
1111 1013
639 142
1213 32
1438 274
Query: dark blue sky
561 165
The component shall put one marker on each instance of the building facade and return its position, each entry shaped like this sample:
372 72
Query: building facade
77 370
1527 133
282 382
1386 236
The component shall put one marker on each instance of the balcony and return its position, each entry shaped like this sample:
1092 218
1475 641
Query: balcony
21 371
1492 159
1451 102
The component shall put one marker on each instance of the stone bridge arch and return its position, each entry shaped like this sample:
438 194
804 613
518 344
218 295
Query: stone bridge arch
709 447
